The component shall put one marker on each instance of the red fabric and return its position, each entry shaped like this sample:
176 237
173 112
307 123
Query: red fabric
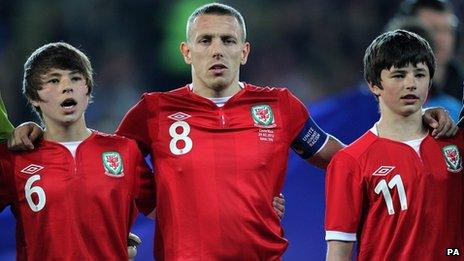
214 201
87 213
433 220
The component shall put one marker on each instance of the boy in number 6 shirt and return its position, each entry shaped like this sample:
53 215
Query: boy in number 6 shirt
76 195
397 191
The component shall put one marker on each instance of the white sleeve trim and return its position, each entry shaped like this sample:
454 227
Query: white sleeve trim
340 236
323 145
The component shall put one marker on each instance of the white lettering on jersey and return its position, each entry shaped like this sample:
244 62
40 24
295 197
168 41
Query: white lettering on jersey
29 190
182 136
382 187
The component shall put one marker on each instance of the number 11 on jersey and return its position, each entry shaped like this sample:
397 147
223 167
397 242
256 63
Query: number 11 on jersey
384 188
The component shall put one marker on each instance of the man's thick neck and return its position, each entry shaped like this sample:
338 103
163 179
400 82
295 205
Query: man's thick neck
216 92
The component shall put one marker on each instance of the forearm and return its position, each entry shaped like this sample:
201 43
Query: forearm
339 250
322 158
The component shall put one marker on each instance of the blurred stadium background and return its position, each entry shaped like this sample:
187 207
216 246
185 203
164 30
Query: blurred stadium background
313 47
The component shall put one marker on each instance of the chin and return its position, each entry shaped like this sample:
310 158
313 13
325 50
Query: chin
219 84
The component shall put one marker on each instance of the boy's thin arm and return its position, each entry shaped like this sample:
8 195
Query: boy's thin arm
323 157
339 250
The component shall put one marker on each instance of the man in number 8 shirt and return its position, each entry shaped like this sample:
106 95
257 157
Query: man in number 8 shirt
396 190
76 195
220 148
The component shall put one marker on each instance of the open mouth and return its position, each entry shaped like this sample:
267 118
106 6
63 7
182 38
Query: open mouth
68 104
218 68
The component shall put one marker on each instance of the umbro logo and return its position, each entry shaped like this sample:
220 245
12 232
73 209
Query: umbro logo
383 171
32 169
179 116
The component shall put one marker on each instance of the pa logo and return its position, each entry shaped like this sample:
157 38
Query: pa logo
453 252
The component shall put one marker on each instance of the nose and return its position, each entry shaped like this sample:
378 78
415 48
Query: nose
410 82
67 87
216 49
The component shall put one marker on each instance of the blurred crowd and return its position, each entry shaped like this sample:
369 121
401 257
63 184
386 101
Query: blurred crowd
314 47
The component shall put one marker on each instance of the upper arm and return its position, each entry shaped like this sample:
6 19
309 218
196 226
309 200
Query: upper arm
344 198
339 250
135 124
145 190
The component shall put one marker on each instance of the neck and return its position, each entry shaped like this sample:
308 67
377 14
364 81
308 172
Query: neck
216 92
401 128
76 131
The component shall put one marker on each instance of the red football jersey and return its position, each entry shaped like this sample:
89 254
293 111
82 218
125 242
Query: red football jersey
397 204
75 208
217 170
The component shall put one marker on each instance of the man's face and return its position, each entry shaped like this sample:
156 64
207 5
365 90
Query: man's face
442 27
64 97
215 50
404 90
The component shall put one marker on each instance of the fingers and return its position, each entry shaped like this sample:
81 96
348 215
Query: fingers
448 131
447 127
279 206
133 240
36 132
429 119
24 135
131 252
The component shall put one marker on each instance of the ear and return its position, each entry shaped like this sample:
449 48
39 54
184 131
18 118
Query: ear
34 103
245 52
376 90
185 50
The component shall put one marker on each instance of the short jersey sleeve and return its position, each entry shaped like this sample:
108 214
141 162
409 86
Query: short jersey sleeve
144 190
306 137
344 198
5 126
295 114
136 123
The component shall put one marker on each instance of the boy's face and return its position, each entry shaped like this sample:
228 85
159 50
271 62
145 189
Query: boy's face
64 97
215 50
404 90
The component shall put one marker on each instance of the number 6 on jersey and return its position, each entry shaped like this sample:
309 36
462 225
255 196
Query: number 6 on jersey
29 190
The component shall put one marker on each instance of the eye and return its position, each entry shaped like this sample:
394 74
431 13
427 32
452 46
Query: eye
77 78
204 40
398 76
420 75
229 41
53 81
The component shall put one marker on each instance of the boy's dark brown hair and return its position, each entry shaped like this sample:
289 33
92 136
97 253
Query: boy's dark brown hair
57 55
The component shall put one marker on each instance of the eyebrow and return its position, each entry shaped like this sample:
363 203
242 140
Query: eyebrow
56 74
404 71
211 35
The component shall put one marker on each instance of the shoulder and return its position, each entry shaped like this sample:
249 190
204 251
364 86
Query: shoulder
151 96
113 139
360 146
267 89
457 139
